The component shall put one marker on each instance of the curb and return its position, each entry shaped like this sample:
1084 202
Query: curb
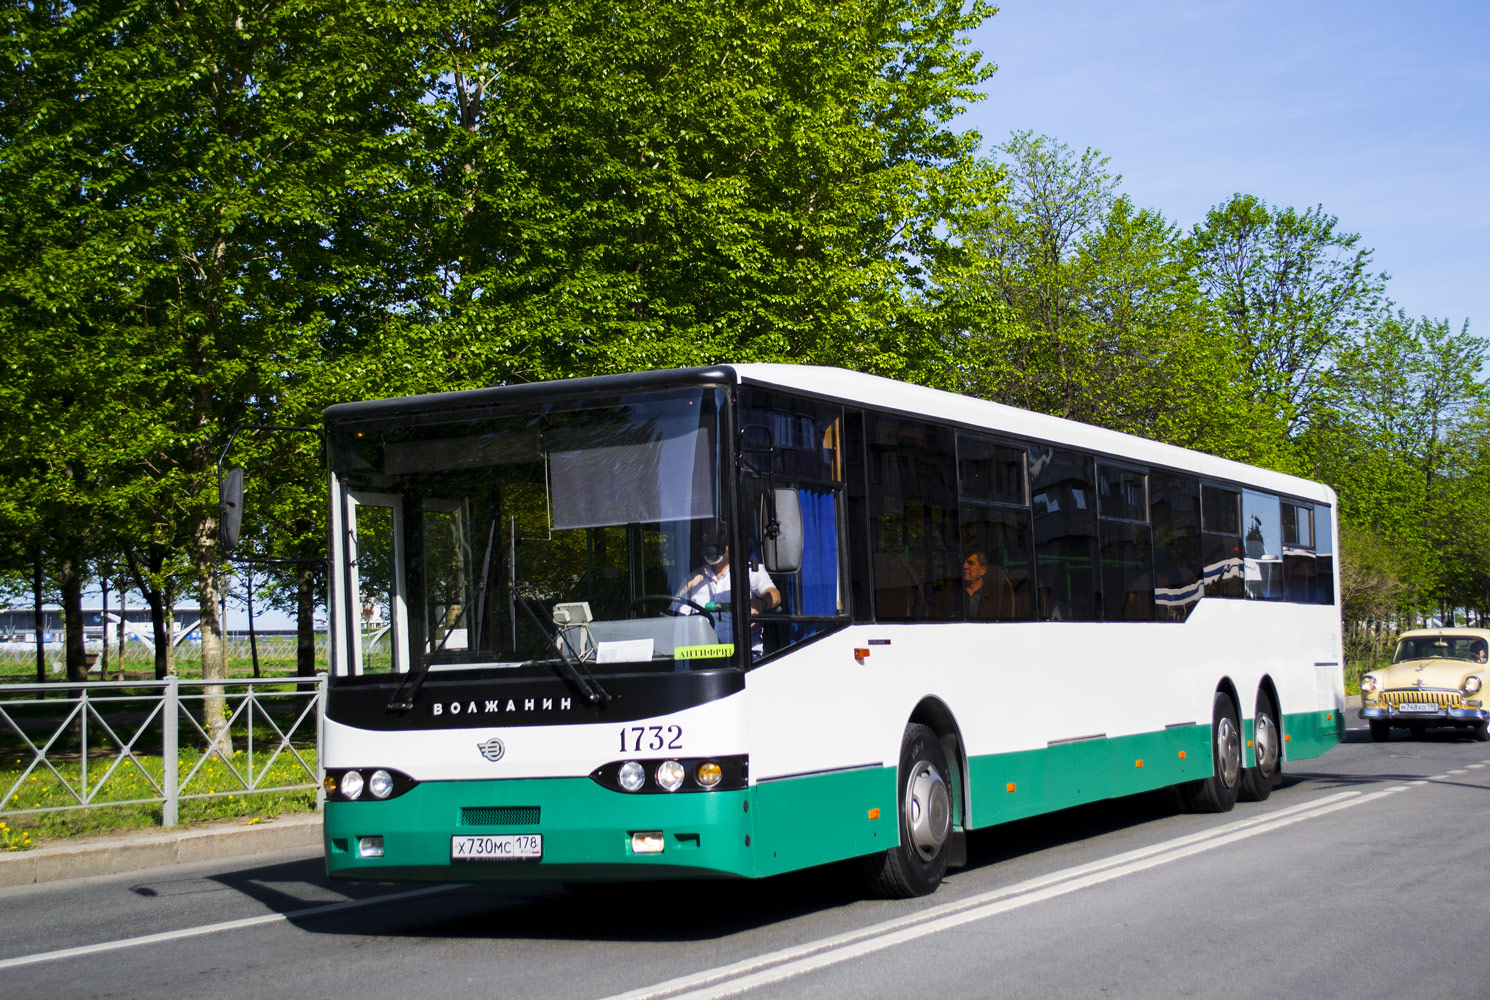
158 848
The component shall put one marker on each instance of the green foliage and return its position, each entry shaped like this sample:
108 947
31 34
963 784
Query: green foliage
214 216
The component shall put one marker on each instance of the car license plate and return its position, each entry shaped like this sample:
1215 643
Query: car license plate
1417 706
506 847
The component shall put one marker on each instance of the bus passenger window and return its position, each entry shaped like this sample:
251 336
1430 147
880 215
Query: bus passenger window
1262 543
1126 549
1221 525
1062 496
1174 513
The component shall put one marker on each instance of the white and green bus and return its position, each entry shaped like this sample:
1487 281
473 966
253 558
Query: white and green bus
956 614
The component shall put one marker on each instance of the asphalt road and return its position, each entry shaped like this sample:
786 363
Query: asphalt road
1366 875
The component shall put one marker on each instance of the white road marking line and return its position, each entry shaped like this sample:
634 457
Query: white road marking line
745 975
227 925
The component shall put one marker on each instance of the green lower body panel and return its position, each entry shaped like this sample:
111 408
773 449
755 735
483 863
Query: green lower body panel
1010 786
586 831
819 818
1309 734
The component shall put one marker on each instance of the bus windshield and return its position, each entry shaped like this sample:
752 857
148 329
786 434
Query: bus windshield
509 538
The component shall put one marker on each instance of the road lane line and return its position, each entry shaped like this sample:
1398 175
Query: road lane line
227 925
748 974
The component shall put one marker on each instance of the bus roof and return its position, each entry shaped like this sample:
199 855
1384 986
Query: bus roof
860 389
918 400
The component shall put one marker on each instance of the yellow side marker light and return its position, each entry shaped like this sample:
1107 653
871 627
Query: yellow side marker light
1138 763
874 814
861 653
1287 739
1182 755
1011 786
1249 743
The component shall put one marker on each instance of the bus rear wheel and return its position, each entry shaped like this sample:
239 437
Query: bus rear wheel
915 866
1267 749
1218 793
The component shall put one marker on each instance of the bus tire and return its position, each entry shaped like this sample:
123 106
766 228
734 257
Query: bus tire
915 866
1381 730
1267 750
1218 793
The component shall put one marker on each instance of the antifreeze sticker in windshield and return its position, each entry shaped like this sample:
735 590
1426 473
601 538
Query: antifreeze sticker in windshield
704 652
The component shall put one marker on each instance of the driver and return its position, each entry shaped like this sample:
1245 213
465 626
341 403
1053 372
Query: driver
710 585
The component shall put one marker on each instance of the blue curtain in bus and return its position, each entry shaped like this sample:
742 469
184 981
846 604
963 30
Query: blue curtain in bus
819 553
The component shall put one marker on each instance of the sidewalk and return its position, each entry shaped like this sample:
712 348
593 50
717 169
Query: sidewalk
156 848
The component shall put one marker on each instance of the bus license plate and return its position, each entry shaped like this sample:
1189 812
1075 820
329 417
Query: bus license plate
1417 706
507 847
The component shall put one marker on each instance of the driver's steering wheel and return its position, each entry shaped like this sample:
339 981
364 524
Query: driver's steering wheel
670 604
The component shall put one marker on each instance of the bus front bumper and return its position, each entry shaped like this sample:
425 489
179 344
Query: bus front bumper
567 829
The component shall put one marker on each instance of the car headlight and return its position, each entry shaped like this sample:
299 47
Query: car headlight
380 784
1368 684
1471 684
632 776
670 775
351 784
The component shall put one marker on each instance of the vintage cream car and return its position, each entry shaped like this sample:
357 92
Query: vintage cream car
1435 679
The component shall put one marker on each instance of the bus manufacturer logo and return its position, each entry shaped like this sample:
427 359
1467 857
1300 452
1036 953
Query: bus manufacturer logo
492 749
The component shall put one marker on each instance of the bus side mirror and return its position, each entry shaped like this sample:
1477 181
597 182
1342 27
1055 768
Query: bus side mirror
230 509
782 550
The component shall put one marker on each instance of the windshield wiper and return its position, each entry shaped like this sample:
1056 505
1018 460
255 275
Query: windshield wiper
403 698
575 669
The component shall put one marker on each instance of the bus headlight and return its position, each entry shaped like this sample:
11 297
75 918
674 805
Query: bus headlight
1471 685
1368 684
632 776
380 784
670 775
708 774
351 784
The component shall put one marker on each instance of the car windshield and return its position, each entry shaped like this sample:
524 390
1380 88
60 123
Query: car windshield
506 538
1471 648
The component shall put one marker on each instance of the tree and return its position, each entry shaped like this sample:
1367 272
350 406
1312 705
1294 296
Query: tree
1289 289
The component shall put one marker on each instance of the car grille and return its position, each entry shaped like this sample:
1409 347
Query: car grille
499 816
1443 699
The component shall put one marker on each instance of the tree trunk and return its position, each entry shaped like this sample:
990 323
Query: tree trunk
305 634
214 662
40 619
72 619
159 601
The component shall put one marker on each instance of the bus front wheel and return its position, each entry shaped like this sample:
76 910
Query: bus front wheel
1218 793
915 866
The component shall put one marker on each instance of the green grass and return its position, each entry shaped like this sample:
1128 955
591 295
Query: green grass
217 794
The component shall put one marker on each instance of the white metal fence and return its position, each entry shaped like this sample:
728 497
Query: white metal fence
71 746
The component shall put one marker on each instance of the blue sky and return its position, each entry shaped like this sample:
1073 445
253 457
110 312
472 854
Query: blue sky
1379 112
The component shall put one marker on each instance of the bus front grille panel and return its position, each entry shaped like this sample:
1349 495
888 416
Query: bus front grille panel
499 816
1443 699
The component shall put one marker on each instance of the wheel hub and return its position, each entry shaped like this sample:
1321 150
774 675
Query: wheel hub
1266 746
1228 751
928 810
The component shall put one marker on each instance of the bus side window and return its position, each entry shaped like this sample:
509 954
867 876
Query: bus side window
1125 541
1221 528
1324 557
1063 497
1174 512
913 517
